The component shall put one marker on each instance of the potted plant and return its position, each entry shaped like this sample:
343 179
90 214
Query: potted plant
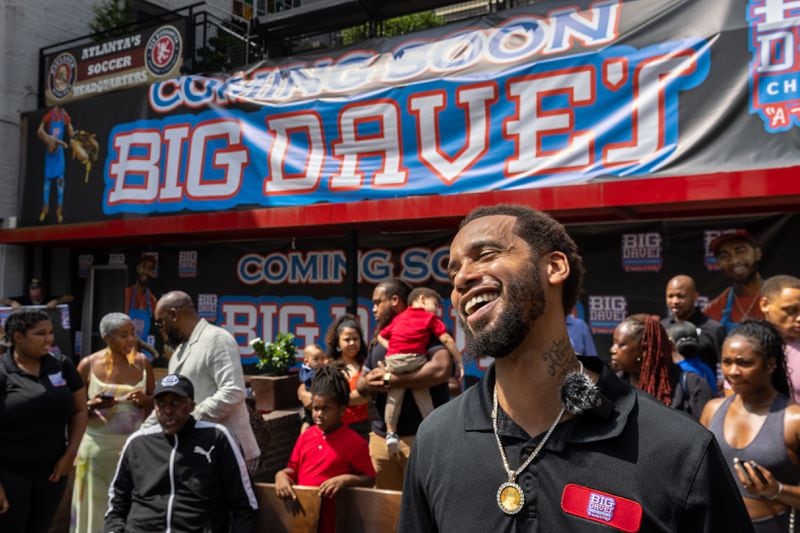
277 387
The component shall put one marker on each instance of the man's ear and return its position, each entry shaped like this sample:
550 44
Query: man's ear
757 251
763 304
557 266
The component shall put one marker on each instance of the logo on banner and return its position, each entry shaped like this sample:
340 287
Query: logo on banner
641 252
116 259
62 75
163 50
606 312
207 306
774 85
187 264
84 265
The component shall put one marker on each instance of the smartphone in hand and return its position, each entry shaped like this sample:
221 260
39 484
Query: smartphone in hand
738 462
761 477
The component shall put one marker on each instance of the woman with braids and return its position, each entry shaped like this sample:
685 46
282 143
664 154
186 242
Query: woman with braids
757 428
643 353
329 455
42 419
119 396
347 349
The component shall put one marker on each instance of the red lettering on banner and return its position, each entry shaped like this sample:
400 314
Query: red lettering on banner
126 165
647 107
174 137
230 160
531 122
352 145
281 127
475 100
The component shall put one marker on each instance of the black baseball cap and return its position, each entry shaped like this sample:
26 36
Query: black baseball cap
735 235
35 284
175 384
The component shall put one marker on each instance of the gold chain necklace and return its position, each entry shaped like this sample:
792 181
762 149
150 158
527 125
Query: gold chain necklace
510 497
744 314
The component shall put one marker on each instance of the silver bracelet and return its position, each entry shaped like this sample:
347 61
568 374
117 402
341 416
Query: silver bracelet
777 493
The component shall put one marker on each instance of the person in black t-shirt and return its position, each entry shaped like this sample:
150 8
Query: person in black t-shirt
388 299
42 400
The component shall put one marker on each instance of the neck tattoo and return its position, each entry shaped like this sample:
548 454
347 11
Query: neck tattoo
577 394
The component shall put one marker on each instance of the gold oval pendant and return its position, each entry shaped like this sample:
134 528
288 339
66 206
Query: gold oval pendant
510 498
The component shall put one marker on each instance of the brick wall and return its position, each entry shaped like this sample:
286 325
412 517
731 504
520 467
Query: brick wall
276 433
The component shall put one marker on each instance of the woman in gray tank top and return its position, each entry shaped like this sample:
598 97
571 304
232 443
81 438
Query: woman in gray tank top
757 428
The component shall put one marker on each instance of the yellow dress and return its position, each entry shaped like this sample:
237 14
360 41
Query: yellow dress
99 453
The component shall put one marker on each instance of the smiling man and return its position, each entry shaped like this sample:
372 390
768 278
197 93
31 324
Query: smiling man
528 450
182 475
738 256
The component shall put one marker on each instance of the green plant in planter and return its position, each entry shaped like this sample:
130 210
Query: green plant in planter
275 357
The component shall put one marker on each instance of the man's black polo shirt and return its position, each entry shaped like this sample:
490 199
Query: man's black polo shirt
650 460
34 412
410 417
712 335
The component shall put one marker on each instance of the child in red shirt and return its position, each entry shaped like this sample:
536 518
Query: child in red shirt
406 340
329 455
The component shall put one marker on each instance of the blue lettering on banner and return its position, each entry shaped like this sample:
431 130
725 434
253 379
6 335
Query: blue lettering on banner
558 120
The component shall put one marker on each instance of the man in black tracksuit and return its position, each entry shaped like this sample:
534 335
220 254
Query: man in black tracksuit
181 476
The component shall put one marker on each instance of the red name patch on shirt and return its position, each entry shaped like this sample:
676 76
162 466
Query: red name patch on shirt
601 507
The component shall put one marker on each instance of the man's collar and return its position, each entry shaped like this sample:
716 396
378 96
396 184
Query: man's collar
198 328
593 425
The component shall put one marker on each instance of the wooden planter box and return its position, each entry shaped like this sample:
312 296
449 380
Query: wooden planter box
275 392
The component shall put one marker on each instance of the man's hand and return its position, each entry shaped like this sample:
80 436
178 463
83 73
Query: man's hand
374 379
283 486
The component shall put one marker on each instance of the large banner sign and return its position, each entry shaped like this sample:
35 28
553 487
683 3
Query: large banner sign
259 289
555 93
118 63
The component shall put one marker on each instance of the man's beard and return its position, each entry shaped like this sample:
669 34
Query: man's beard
524 307
174 338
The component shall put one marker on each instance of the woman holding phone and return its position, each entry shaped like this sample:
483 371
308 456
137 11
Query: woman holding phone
757 428
119 397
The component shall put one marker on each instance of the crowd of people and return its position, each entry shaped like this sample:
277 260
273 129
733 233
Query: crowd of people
550 435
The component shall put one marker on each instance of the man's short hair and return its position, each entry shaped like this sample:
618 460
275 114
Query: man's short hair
426 292
544 235
395 287
774 285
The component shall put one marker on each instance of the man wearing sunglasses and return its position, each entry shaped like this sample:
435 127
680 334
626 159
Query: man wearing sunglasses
209 356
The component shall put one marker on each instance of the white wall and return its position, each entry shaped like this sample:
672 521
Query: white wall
25 26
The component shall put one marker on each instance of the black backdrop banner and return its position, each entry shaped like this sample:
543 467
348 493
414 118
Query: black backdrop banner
260 288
